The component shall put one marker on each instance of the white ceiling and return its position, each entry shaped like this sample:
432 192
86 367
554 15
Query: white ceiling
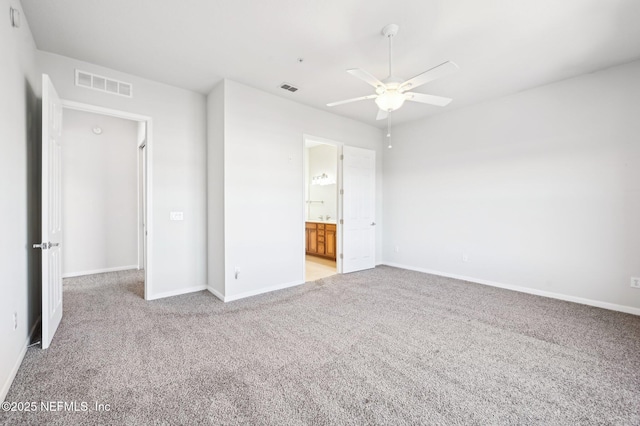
501 46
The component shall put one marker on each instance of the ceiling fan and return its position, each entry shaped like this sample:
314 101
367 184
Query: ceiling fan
393 91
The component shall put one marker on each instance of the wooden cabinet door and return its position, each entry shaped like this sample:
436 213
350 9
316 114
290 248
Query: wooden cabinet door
311 234
330 243
313 240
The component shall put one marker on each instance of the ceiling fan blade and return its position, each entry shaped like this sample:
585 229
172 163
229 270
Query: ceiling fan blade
430 75
382 114
428 99
346 101
365 76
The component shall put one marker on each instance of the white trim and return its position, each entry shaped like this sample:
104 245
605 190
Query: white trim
216 293
79 106
255 292
16 366
178 292
528 290
99 271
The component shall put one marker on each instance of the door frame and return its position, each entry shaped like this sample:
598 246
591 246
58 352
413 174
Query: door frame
79 106
142 205
307 137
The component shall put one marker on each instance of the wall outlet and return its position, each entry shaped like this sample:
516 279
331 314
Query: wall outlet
15 320
237 272
397 249
635 282
176 216
465 257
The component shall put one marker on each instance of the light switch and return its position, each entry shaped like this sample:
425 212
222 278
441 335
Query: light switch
176 216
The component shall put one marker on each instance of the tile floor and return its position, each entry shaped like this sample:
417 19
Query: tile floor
318 267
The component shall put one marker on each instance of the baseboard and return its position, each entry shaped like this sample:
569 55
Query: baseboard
99 271
177 292
12 375
216 293
528 290
260 291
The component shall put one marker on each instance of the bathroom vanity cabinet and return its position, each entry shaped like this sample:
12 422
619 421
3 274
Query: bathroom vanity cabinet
321 239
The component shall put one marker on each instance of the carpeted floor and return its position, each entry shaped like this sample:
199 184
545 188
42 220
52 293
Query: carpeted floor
384 346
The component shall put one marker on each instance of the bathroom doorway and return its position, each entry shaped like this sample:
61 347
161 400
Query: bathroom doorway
321 209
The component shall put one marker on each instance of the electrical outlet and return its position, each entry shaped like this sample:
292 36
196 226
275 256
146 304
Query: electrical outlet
397 249
15 320
635 282
176 216
465 257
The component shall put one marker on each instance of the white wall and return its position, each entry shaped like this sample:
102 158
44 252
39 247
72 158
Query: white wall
541 189
99 193
215 190
20 88
264 184
178 162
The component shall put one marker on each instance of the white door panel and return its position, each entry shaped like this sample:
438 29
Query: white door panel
51 211
359 185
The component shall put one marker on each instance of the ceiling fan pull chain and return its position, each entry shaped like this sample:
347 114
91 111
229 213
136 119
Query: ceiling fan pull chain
389 129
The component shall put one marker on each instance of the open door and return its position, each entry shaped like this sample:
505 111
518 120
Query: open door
51 211
359 209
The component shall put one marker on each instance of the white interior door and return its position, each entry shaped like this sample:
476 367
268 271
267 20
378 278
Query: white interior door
358 209
51 211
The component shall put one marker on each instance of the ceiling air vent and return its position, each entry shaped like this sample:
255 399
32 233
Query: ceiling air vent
103 84
289 87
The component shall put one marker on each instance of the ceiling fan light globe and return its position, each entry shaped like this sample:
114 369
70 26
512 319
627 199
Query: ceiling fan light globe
391 100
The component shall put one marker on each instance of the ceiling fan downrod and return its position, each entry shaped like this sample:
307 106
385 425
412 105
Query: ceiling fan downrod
389 32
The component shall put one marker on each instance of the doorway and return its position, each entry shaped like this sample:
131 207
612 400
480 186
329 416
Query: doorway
339 208
322 209
117 169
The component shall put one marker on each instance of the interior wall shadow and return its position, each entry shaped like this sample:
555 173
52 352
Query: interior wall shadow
34 204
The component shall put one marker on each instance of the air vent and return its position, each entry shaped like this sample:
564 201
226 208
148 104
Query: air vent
103 84
289 87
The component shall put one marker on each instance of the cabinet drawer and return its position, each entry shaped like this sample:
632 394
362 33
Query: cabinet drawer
320 238
320 225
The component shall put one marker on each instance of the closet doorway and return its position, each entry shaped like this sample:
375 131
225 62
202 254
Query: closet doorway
106 201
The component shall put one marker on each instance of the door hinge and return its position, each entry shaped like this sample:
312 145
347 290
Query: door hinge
342 192
342 156
341 221
341 256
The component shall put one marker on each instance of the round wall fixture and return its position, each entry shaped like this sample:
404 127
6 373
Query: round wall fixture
97 130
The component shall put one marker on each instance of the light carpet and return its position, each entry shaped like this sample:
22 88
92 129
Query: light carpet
384 346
